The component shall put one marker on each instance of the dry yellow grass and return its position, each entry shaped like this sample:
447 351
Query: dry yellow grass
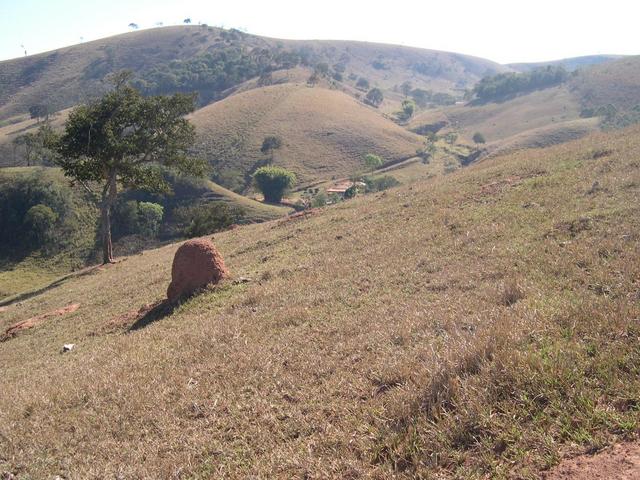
325 133
374 340
498 121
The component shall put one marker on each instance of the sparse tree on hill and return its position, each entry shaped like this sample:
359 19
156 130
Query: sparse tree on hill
373 161
406 88
187 21
362 84
133 26
270 143
121 140
478 138
408 107
40 111
273 182
374 97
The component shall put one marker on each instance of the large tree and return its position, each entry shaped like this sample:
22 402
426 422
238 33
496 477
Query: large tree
121 141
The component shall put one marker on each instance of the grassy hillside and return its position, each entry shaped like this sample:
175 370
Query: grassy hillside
68 76
616 83
325 133
481 325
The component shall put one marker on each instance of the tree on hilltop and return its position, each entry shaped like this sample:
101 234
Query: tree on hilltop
134 26
121 141
187 21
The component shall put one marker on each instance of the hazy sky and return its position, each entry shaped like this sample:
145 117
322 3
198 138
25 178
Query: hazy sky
501 30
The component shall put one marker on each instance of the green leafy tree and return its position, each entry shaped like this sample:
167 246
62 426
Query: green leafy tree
373 161
204 219
187 21
374 97
121 140
408 108
273 182
479 138
40 111
39 221
149 218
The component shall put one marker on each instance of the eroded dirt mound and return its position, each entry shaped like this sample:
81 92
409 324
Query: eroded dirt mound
621 462
15 329
197 263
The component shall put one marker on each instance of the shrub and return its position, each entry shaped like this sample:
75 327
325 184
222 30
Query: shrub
39 222
362 84
478 138
380 183
271 143
351 192
273 182
204 219
373 161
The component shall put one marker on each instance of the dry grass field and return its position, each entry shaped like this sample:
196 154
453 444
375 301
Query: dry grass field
481 325
325 133
499 121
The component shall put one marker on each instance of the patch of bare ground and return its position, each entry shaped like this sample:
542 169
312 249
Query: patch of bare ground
32 322
620 462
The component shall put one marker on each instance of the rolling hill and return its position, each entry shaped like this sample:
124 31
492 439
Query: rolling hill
580 105
65 77
477 325
325 134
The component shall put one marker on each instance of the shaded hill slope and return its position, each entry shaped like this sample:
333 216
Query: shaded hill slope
458 328
325 134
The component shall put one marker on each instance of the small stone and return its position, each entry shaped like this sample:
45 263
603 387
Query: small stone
240 280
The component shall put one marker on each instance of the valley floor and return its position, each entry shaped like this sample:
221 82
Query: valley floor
485 323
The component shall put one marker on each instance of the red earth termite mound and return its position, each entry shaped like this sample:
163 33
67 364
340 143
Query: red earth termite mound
196 264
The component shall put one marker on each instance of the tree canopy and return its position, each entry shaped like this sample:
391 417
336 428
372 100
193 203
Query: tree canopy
374 97
121 140
273 182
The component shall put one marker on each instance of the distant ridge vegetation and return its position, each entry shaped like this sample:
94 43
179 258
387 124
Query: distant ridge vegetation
212 60
569 64
503 85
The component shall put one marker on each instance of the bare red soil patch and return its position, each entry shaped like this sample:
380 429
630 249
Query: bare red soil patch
15 329
621 462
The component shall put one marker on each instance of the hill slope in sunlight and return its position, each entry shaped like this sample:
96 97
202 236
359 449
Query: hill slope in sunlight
325 134
461 327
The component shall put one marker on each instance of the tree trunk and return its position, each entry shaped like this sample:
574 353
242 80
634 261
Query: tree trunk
108 199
